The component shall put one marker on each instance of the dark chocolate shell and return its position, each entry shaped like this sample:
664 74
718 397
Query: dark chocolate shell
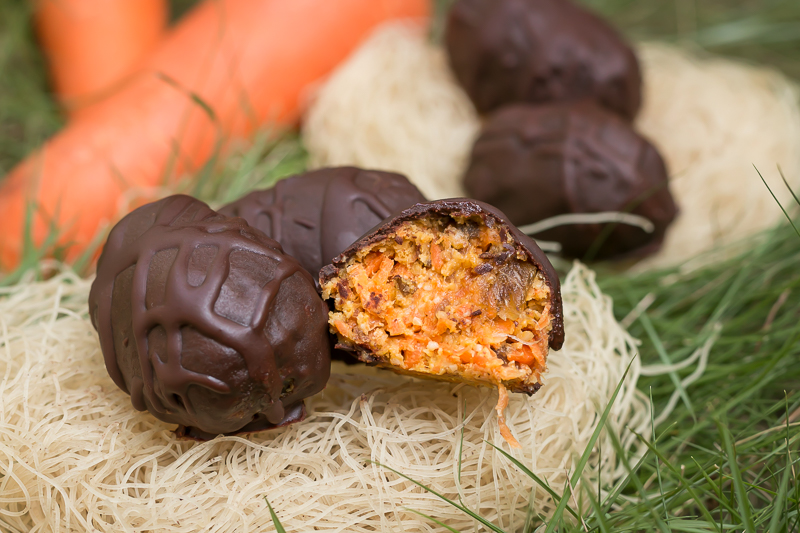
205 322
317 214
539 51
537 162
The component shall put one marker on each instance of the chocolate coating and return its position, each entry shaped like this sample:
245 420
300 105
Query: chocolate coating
536 162
537 51
205 322
317 214
466 208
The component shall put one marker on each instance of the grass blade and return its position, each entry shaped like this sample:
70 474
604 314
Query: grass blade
658 464
662 354
192 95
542 483
736 475
644 498
461 508
275 521
778 201
685 483
782 496
529 514
717 490
559 512
599 515
432 519
796 199
620 485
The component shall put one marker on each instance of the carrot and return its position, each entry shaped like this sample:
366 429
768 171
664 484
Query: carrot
436 257
524 356
229 67
92 46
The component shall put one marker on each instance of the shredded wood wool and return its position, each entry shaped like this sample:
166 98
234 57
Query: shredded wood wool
75 456
395 106
404 113
714 120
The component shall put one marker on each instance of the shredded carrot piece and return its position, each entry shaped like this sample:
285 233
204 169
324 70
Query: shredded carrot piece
502 403
523 356
436 257
343 328
373 262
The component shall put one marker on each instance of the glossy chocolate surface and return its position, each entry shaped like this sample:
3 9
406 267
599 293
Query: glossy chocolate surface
463 208
206 323
536 162
317 214
538 51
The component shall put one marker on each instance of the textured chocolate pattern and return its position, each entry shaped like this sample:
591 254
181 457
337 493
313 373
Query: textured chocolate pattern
205 322
536 162
537 51
318 214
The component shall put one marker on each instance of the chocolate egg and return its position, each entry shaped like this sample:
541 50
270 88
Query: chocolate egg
317 214
538 51
206 322
537 162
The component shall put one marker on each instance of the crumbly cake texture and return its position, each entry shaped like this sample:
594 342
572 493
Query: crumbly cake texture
447 290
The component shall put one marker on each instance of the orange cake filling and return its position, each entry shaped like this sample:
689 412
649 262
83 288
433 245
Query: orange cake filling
446 297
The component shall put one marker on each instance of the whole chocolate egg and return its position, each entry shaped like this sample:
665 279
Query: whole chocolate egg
538 51
317 214
537 162
206 323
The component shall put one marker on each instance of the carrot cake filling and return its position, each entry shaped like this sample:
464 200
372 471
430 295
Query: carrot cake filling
446 297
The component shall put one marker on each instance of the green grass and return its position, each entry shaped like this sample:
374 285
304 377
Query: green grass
734 450
762 31
728 456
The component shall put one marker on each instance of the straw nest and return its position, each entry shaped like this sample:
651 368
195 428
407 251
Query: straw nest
75 456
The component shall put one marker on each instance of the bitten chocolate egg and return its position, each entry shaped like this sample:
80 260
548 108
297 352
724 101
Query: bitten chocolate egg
206 323
536 51
537 162
450 290
317 214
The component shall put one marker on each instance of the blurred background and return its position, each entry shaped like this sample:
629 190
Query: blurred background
758 31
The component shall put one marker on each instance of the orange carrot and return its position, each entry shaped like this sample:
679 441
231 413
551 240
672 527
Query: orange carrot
250 63
93 45
436 257
524 356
